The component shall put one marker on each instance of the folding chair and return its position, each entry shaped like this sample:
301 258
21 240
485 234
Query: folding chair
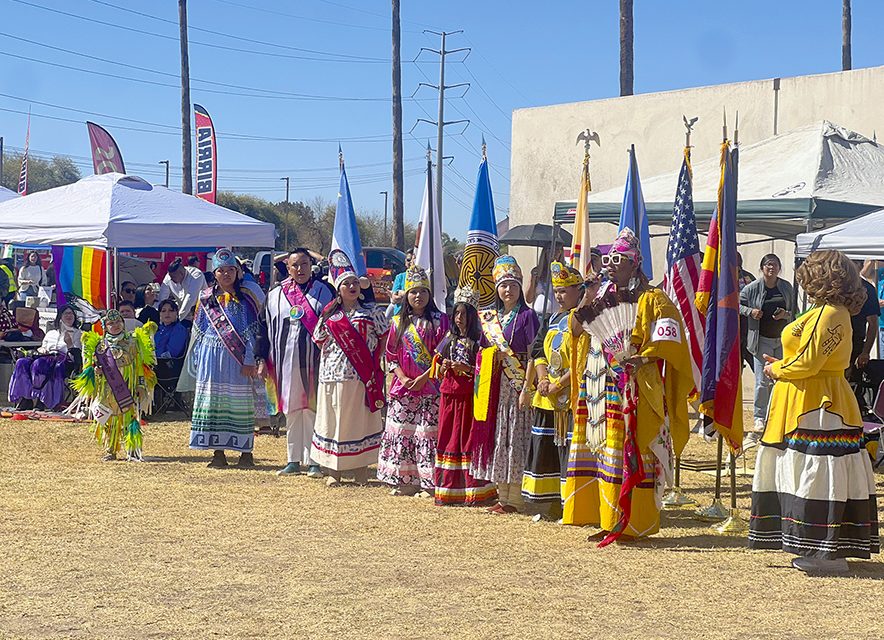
166 398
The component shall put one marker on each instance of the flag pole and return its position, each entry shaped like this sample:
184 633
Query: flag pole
675 497
431 214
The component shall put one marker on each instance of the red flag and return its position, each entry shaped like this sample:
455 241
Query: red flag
23 175
206 156
106 156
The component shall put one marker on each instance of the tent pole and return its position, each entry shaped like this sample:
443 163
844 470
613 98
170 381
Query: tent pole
107 279
116 276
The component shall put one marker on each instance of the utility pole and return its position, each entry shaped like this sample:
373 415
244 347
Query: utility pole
398 206
440 121
627 49
186 151
166 162
846 23
286 212
385 217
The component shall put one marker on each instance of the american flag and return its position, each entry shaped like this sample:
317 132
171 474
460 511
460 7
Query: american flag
683 267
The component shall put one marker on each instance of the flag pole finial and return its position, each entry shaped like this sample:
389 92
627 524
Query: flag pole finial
736 127
723 124
689 127
429 152
484 148
340 157
586 137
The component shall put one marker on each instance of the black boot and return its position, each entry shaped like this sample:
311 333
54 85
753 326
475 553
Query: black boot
219 460
246 461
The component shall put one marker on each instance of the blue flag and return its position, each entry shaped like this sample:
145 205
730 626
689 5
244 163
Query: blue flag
634 215
346 234
481 250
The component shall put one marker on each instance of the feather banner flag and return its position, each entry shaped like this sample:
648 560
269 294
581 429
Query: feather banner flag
634 215
206 155
482 245
718 298
106 156
345 235
80 272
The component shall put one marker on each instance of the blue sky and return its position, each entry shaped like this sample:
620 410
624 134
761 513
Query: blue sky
524 54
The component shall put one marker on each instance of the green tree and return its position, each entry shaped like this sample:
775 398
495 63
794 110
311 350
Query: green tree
42 174
451 245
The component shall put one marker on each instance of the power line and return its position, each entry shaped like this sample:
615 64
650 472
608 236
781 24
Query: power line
240 38
167 74
196 42
508 116
309 19
304 97
229 136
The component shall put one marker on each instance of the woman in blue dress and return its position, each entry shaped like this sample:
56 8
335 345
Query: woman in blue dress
223 361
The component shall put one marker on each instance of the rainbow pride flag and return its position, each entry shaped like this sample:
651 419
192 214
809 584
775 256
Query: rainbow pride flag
79 271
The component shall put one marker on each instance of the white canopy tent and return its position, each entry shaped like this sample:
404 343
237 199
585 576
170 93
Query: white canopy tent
7 194
126 213
862 238
786 183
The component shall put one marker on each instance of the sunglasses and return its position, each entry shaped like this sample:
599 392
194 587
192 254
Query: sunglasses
128 290
613 259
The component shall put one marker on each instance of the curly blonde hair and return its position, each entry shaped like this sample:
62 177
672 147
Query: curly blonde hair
830 277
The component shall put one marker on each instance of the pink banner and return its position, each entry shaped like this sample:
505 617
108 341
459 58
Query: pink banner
106 156
206 156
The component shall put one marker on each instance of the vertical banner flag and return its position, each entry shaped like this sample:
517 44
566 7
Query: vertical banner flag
106 156
633 213
430 240
719 298
79 273
206 156
23 174
482 245
580 244
346 234
683 266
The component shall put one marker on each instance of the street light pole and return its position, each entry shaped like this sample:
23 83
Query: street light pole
286 212
166 162
385 215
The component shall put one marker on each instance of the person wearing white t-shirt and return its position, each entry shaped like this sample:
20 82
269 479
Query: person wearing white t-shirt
183 287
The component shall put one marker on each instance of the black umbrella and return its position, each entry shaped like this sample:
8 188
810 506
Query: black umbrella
535 235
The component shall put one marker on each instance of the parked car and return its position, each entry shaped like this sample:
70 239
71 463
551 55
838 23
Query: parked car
382 264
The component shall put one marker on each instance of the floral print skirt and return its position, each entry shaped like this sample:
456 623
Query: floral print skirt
408 446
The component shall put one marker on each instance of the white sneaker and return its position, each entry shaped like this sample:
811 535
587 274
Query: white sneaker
817 565
751 440
759 424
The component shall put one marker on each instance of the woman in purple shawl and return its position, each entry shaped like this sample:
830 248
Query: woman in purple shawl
499 444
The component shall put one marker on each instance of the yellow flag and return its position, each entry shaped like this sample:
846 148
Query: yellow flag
580 244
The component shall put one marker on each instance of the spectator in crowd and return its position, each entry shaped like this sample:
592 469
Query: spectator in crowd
171 336
397 292
127 291
145 302
864 326
65 338
768 304
8 292
249 282
595 259
744 278
540 288
30 276
184 287
127 311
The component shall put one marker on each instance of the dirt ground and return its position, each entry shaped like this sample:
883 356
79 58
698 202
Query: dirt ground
172 549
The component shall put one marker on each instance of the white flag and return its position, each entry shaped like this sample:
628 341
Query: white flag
424 244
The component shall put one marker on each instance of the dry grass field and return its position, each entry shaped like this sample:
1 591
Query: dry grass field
171 549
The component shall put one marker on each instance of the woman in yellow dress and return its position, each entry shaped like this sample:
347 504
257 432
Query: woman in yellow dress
646 422
814 490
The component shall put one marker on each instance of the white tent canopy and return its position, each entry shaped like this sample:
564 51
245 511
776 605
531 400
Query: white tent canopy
860 239
125 212
7 194
819 171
